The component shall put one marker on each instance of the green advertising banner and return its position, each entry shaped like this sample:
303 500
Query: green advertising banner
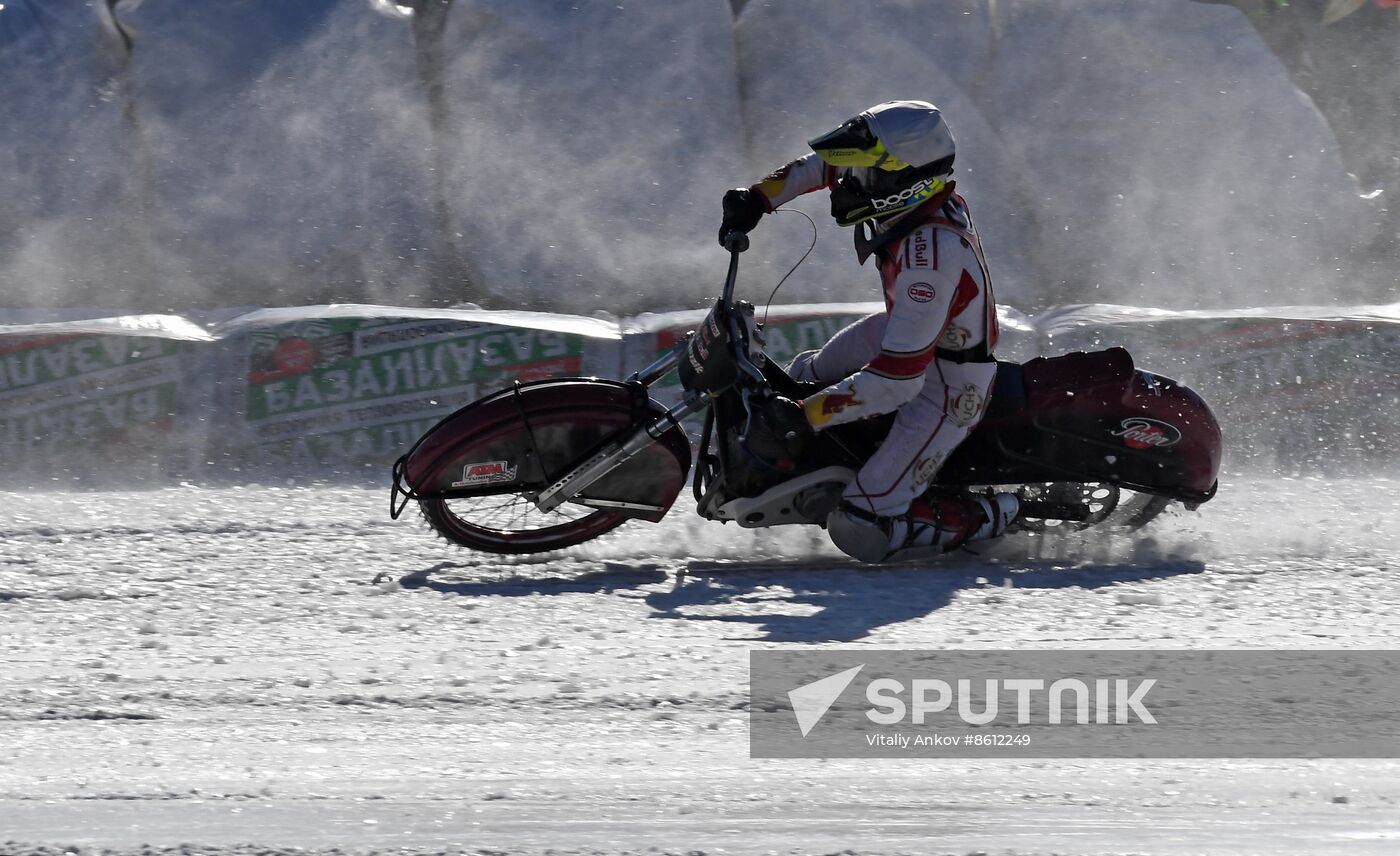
333 394
78 404
339 390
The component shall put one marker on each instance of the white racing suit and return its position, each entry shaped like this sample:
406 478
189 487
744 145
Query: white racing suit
927 358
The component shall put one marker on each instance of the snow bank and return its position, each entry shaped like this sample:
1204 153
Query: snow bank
589 145
807 66
296 152
1151 152
169 155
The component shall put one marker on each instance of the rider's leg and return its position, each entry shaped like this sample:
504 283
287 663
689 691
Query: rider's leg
881 513
845 353
925 432
937 524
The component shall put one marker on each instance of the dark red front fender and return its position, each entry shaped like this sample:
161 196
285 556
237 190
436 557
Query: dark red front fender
526 436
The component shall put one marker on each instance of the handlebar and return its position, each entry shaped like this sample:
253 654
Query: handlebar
718 350
735 242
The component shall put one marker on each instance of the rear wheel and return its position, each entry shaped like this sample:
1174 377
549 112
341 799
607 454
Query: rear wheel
1139 510
1103 504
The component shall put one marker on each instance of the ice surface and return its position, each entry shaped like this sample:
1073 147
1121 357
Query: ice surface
221 667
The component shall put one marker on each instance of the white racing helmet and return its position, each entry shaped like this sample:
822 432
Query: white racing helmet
901 155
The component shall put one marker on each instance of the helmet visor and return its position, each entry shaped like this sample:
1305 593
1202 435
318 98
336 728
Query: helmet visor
853 144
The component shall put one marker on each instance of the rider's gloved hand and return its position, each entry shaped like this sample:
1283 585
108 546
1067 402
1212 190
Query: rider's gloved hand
743 208
786 418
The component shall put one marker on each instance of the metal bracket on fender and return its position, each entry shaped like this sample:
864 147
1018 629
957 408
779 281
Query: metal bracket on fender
400 489
615 454
780 504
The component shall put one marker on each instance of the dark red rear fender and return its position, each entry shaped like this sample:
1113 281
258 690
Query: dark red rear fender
484 448
1092 418
1152 407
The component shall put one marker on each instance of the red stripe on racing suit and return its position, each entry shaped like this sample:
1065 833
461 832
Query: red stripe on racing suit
938 302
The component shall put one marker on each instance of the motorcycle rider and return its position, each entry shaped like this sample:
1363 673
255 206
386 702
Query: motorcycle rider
928 357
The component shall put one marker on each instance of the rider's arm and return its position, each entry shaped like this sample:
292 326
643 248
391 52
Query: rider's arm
786 183
745 206
934 285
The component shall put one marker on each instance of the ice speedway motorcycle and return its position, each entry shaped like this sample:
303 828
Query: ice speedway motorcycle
1085 439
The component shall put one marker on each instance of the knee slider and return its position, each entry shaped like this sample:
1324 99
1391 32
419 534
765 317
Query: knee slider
857 535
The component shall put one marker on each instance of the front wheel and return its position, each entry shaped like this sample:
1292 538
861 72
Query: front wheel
477 473
510 523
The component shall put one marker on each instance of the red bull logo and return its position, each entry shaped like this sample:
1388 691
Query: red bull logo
835 403
821 408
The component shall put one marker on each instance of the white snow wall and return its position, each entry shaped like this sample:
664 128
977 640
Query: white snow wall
160 155
340 391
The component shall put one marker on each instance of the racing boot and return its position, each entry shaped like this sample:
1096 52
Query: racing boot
928 528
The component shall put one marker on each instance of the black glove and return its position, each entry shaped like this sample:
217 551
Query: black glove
743 208
786 418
